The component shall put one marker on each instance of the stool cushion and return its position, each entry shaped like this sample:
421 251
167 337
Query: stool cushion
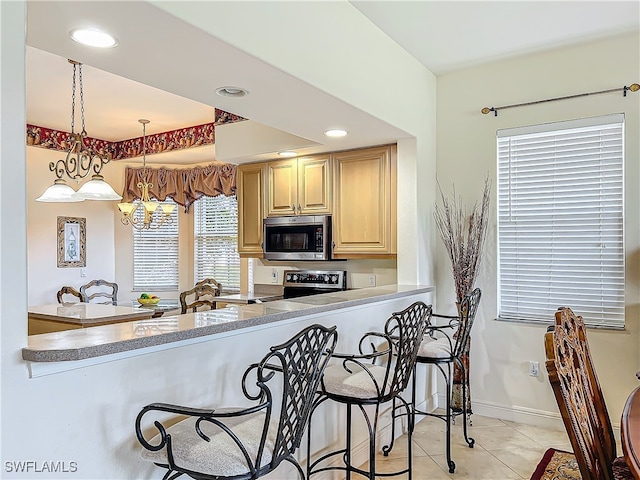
358 384
439 348
221 456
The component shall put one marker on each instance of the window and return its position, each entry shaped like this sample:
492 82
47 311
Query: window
560 221
155 254
216 241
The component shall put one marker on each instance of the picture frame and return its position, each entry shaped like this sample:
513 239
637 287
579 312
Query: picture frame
72 234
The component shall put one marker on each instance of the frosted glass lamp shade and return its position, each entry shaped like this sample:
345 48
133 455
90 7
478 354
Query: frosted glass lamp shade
97 189
167 208
126 208
150 206
59 192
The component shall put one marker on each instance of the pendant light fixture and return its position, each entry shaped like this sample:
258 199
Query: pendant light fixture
79 162
129 210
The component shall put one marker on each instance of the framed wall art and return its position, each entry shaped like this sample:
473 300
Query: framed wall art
72 242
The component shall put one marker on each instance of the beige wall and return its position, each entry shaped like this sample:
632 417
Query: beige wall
466 153
45 278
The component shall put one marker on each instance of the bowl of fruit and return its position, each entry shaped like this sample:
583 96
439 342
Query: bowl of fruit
146 299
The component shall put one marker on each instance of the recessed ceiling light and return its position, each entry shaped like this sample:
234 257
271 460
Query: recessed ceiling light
287 153
336 132
93 38
231 92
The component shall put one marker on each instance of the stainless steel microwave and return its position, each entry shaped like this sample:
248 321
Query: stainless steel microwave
302 237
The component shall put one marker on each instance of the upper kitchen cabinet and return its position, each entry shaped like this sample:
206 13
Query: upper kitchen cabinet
250 191
299 186
364 204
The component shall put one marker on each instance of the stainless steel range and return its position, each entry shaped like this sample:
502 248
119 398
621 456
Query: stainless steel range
300 283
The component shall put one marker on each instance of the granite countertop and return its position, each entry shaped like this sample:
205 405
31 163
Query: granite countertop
246 298
109 339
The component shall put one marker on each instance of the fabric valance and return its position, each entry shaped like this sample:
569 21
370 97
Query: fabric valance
184 185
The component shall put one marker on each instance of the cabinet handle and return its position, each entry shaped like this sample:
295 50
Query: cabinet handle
293 207
299 209
333 244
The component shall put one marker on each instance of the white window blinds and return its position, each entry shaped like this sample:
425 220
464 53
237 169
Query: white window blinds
216 241
560 221
155 254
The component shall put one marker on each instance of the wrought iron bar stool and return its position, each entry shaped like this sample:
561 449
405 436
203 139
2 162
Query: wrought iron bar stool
379 373
445 351
246 443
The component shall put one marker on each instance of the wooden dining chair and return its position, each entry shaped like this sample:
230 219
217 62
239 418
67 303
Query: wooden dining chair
210 281
199 297
67 290
575 385
100 289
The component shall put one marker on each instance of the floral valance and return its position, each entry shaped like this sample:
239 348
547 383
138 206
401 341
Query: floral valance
183 185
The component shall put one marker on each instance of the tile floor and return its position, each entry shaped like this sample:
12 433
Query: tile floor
503 450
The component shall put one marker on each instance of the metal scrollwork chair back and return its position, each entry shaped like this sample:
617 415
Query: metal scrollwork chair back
67 290
108 290
249 442
202 295
577 391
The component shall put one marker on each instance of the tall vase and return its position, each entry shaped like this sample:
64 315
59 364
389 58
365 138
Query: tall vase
460 376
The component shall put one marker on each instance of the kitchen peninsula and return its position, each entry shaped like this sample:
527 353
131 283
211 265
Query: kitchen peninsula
125 337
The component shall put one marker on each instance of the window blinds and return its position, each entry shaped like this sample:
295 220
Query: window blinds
560 225
216 241
155 254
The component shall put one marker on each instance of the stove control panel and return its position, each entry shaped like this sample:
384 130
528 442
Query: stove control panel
334 279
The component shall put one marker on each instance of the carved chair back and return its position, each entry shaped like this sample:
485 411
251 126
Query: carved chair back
201 296
213 283
571 379
67 290
100 289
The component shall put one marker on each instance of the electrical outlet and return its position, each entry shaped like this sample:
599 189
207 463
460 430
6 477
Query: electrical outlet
274 275
534 368
372 280
83 272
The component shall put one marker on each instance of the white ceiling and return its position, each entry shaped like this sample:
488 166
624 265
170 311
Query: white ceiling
443 35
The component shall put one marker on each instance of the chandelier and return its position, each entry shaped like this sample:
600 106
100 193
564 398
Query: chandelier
149 207
79 162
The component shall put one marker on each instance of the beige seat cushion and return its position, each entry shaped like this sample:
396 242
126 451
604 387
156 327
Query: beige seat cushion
439 348
221 456
337 381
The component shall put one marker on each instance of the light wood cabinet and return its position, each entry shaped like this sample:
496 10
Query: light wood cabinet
299 186
364 203
250 183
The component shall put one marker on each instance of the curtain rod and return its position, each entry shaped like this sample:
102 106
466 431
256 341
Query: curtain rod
634 87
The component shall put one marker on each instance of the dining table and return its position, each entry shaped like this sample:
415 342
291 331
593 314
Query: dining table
630 432
58 317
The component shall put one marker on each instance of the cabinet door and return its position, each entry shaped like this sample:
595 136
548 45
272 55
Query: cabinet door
364 207
283 185
250 192
314 185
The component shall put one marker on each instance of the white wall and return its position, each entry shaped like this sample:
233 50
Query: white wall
466 153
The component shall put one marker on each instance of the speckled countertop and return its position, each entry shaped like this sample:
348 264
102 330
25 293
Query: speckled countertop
91 342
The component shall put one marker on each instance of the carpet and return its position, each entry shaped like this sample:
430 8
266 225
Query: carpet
557 465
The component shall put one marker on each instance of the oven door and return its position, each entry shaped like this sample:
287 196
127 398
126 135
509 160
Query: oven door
297 238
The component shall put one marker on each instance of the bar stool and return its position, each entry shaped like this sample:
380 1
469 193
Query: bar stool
444 351
379 373
244 443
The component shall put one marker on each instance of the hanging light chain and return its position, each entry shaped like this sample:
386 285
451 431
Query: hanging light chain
84 131
73 100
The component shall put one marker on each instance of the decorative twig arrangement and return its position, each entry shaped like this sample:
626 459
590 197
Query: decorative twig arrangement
463 234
